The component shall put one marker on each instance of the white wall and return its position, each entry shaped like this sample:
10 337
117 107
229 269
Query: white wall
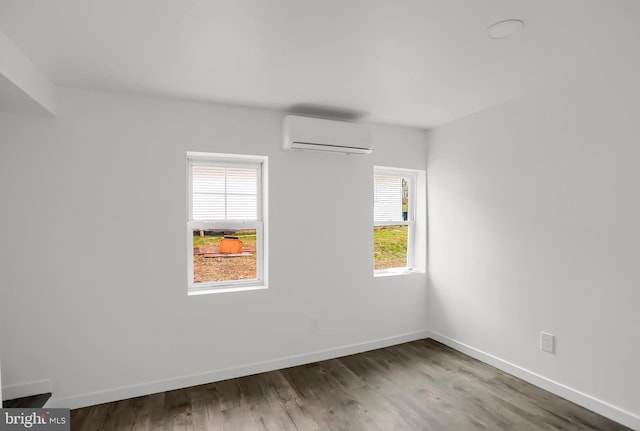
533 220
23 86
93 250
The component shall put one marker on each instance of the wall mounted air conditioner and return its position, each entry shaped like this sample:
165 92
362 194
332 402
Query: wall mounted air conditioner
315 134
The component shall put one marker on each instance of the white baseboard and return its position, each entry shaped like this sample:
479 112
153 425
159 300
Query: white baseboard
27 389
124 392
587 401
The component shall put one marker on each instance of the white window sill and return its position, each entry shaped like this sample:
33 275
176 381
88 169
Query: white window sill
210 290
396 271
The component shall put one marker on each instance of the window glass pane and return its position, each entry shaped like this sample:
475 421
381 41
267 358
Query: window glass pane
224 255
208 184
242 181
241 207
224 193
405 198
388 192
208 207
207 179
390 246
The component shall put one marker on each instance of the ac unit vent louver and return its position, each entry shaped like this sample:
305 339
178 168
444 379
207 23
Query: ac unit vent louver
315 134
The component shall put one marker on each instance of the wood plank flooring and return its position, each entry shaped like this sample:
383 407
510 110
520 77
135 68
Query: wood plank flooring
422 385
32 402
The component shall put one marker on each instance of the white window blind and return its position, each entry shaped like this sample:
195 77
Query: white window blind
224 193
387 198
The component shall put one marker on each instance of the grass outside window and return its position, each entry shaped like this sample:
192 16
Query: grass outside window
390 246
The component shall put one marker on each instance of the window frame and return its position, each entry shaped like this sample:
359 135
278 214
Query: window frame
228 161
412 178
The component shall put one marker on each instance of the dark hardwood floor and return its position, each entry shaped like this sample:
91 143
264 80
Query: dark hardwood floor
34 401
422 385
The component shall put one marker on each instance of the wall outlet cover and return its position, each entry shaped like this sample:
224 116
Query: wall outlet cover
547 342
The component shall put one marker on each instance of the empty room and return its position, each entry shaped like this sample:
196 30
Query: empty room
320 215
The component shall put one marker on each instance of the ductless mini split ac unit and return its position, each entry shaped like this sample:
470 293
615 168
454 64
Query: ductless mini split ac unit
315 134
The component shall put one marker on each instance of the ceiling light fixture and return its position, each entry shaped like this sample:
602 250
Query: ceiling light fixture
504 29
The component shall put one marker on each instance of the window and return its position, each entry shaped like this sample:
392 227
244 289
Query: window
225 226
394 220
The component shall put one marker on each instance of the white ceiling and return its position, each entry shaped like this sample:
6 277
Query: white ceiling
410 62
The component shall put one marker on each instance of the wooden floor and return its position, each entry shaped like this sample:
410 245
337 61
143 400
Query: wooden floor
32 402
422 385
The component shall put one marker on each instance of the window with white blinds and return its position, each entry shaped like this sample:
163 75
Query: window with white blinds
387 198
393 220
224 193
225 223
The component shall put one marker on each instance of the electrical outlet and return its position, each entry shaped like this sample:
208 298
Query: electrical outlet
314 324
547 342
